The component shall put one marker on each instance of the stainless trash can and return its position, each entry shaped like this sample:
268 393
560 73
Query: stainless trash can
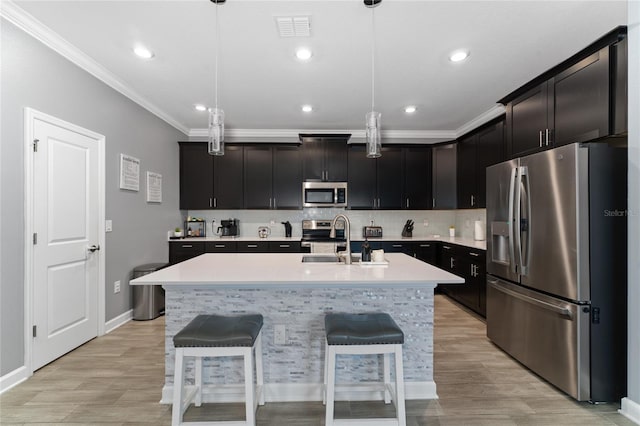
148 300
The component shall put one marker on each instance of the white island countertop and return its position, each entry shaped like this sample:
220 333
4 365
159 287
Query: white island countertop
273 270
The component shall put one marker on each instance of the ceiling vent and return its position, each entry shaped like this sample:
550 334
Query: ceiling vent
293 26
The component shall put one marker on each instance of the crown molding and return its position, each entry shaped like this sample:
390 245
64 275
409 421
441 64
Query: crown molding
36 29
357 135
485 117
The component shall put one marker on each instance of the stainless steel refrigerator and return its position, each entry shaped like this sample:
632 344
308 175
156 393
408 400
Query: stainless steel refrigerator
557 266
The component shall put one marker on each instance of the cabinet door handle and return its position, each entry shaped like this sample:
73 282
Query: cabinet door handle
433 203
546 136
252 245
220 245
425 245
275 206
187 246
451 262
472 270
396 245
285 245
215 202
210 202
540 135
472 200
474 254
446 247
407 203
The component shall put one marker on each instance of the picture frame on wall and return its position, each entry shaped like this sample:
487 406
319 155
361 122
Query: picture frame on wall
129 172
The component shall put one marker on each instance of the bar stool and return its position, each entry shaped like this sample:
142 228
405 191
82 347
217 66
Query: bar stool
208 336
362 334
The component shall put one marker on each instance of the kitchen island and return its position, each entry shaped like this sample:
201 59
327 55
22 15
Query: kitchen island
296 295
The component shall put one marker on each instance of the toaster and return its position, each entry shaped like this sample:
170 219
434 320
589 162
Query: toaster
372 231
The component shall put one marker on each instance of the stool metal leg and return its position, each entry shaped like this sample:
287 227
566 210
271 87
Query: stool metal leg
248 387
387 377
330 388
400 410
259 370
178 386
326 368
198 381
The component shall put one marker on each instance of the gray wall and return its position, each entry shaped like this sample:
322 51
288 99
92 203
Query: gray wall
35 76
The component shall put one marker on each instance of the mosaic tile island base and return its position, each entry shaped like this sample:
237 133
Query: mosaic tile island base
297 296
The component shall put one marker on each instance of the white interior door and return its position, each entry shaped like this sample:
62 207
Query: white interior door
65 219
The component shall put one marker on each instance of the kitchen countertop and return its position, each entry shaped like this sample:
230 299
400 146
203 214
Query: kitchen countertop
466 242
218 238
285 270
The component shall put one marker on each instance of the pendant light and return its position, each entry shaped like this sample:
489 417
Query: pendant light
373 118
216 115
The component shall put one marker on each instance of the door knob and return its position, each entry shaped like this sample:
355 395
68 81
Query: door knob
94 248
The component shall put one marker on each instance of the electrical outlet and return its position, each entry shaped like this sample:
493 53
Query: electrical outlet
116 287
425 223
279 334
108 225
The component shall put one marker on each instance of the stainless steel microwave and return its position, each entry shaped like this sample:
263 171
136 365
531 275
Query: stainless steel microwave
324 194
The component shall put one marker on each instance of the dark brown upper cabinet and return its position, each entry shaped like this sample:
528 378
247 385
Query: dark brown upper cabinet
399 179
208 181
324 157
444 177
273 177
582 99
476 151
417 178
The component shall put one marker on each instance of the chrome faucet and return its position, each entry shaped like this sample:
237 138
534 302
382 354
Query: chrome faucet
347 234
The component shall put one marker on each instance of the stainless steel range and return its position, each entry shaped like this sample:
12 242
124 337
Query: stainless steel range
315 235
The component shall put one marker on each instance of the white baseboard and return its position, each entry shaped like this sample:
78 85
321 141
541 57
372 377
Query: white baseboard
631 410
14 378
116 322
299 392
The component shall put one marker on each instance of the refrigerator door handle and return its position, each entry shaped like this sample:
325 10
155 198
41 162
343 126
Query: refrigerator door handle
512 257
564 311
525 226
522 227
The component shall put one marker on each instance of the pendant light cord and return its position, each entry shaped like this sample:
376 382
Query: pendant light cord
217 46
373 53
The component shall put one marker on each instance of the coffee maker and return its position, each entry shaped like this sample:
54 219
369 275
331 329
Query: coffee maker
228 228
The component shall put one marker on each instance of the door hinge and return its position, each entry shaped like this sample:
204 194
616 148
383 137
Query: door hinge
35 145
35 238
34 331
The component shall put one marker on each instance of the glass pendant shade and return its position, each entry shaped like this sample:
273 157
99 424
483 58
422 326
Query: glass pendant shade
216 131
373 136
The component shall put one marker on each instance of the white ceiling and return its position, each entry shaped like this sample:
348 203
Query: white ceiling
262 86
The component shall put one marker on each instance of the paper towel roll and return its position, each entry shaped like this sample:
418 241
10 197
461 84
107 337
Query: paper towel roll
478 232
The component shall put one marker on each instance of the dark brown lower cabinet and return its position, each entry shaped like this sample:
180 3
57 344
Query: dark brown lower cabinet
469 264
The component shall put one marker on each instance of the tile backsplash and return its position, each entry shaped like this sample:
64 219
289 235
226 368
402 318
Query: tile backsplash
427 222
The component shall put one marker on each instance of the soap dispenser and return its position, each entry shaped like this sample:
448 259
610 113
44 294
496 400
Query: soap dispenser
366 251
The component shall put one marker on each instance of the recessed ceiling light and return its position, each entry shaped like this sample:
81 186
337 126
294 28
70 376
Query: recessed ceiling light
200 107
303 54
410 109
143 52
459 55
307 108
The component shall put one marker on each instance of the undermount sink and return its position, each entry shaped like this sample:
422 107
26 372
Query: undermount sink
325 259
320 259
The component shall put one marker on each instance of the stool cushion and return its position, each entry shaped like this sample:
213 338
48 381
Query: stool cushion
362 329
218 331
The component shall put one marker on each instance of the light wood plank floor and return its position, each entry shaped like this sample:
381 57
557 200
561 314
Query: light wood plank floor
116 380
